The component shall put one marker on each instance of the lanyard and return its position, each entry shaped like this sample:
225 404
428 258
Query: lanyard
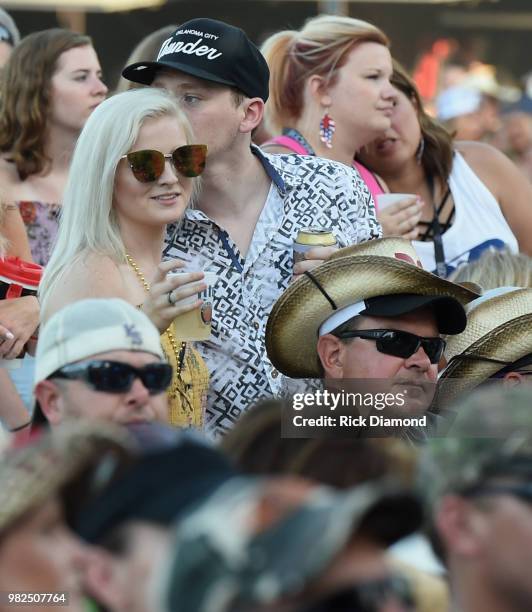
439 253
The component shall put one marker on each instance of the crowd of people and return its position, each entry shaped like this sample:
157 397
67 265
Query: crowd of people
176 385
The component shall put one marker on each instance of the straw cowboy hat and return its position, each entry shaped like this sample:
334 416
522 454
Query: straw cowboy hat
498 333
348 284
29 475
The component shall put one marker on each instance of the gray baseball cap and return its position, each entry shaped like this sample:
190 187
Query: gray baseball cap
88 327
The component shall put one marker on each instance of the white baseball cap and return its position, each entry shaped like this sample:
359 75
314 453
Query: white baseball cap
457 101
88 327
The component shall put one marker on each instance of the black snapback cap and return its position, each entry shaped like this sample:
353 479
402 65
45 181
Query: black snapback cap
210 50
450 314
158 487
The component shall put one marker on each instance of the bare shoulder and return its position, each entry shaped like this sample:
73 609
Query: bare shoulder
99 274
494 168
9 179
480 153
93 276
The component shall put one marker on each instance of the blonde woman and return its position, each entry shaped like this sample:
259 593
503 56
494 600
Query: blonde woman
131 175
330 95
496 268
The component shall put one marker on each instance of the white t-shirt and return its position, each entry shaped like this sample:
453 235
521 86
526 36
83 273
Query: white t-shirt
478 222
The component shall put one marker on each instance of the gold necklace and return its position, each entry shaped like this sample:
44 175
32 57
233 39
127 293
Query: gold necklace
179 351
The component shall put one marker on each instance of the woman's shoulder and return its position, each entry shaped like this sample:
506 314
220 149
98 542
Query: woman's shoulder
501 176
9 178
100 265
479 153
491 166
90 275
94 273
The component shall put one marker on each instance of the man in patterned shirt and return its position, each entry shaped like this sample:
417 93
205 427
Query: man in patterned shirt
251 205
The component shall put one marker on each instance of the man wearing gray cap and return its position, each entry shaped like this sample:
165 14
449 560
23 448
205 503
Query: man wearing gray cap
478 483
101 359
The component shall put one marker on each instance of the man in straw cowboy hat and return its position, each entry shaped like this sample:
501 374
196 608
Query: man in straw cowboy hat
369 312
42 562
477 484
495 346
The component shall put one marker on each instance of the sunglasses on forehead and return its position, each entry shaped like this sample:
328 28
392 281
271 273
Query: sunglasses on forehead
117 377
399 343
148 165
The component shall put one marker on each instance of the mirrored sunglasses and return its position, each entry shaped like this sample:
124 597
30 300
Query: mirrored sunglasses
148 165
118 377
399 343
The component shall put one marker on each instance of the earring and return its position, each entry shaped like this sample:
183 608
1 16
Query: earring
420 150
327 129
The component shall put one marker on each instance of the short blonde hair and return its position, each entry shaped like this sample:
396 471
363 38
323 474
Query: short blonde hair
320 47
496 269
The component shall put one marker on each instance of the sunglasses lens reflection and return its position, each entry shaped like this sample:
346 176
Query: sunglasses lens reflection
404 345
398 344
190 159
147 166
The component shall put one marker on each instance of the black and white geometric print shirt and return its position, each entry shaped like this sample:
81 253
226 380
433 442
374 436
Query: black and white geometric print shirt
306 191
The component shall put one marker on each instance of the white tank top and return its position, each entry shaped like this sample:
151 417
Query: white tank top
478 222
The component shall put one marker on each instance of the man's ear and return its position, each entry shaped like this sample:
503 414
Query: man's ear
461 526
513 379
102 579
48 394
331 351
253 114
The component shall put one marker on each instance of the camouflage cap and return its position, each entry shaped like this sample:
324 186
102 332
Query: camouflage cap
31 473
220 561
491 435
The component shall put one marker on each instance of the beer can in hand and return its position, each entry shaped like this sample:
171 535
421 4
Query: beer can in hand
311 237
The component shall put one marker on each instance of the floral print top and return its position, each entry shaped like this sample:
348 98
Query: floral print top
42 223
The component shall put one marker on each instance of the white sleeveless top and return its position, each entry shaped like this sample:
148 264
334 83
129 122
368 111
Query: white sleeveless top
478 222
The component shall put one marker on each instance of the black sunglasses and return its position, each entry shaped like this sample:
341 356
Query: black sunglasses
367 596
148 165
118 377
399 343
